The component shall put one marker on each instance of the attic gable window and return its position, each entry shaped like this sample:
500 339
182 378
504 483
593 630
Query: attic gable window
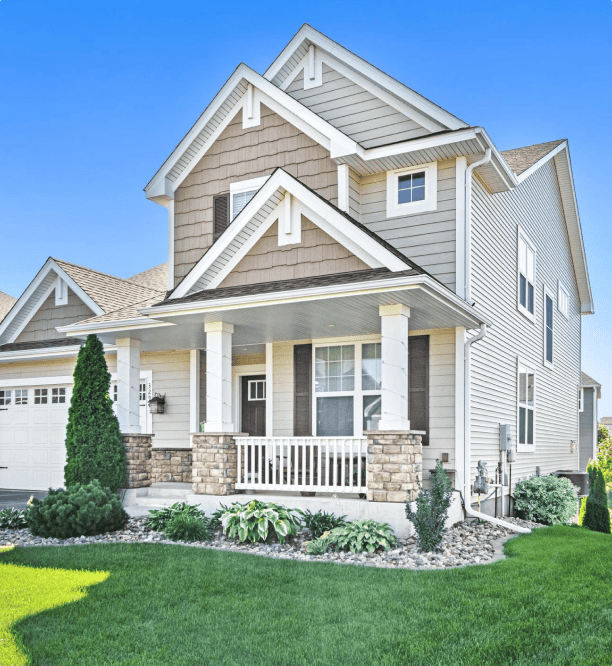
241 193
412 190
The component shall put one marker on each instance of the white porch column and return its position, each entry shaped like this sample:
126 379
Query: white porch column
128 385
194 390
219 377
394 375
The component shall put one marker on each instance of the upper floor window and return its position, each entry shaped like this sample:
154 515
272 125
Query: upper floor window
548 328
563 301
526 276
412 190
241 193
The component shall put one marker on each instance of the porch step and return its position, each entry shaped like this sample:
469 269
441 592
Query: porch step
175 491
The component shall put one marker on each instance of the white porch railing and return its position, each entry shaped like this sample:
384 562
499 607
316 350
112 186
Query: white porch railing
315 464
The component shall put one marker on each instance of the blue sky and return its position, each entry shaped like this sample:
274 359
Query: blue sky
94 96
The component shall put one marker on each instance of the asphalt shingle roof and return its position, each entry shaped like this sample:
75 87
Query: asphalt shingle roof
588 381
39 344
520 159
154 278
6 303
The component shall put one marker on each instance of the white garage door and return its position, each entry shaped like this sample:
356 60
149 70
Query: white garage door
32 433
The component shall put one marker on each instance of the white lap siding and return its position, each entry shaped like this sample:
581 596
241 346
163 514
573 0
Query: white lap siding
536 206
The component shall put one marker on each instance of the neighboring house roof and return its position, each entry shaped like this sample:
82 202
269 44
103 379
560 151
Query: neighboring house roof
6 303
606 420
521 159
153 278
585 380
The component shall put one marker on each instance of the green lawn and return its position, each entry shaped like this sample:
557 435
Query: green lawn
550 602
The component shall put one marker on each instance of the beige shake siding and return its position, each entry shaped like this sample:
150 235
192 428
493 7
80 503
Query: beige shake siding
317 254
536 206
49 316
241 154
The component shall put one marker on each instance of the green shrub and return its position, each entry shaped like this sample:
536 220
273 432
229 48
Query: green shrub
358 537
188 527
320 522
81 510
259 521
159 518
94 444
596 515
431 510
550 500
12 519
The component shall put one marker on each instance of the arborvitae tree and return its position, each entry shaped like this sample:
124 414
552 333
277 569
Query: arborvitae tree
94 445
597 516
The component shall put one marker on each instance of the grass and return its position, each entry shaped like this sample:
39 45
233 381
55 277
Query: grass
550 602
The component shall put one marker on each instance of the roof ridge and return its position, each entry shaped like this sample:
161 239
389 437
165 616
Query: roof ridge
107 275
534 145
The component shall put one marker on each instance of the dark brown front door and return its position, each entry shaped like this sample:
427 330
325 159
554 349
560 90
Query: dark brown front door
254 405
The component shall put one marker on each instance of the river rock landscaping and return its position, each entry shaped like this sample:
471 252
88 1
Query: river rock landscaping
464 543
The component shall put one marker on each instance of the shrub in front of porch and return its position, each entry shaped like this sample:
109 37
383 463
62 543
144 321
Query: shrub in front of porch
431 510
94 444
188 527
159 518
360 536
259 521
320 522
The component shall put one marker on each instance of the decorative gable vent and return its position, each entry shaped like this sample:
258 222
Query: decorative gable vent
221 210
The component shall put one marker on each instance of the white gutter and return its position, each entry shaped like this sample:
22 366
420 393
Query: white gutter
467 448
467 225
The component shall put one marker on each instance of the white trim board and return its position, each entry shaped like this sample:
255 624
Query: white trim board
309 204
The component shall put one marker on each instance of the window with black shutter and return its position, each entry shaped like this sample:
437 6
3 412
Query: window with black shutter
221 208
418 382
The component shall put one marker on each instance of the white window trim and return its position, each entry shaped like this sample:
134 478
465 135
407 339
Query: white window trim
562 290
244 186
525 448
357 393
580 400
395 209
239 371
524 311
546 292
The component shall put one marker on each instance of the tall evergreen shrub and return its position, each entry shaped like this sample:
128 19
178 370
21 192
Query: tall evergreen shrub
94 445
596 515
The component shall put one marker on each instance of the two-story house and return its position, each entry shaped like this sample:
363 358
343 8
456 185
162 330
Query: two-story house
358 283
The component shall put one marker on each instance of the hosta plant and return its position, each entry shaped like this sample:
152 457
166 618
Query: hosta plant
188 527
159 518
361 536
12 519
259 521
320 522
550 500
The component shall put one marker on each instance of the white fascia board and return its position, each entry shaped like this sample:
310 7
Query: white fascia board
339 227
362 66
107 326
46 354
50 265
541 161
389 284
309 122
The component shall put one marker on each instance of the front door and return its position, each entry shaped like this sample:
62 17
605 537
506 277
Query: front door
254 405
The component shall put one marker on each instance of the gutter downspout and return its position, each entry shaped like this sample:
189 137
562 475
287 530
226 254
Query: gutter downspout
467 449
467 224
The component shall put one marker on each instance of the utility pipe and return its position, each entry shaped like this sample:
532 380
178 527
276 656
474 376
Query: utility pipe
467 224
467 448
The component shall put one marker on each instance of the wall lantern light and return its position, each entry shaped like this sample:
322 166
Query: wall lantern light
157 404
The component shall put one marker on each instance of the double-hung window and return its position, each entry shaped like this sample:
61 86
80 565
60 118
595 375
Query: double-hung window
548 328
526 276
347 389
526 409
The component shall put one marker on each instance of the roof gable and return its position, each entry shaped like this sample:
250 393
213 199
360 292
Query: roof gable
309 44
286 199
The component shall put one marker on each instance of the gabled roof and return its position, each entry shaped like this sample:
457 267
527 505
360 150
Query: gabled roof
297 49
154 278
586 380
521 159
263 210
102 293
6 303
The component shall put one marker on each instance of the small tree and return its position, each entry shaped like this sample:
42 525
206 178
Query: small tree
432 509
604 453
94 445
596 515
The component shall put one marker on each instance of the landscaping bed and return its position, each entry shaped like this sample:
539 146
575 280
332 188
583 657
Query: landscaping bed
464 543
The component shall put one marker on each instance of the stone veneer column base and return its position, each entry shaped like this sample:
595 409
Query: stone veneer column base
394 466
171 465
138 453
215 463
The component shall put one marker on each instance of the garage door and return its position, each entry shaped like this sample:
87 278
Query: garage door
32 433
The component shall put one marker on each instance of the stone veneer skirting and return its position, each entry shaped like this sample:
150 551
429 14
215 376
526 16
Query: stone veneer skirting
138 453
171 465
215 464
394 466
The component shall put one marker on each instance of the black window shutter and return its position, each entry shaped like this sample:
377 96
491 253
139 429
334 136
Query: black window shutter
418 381
221 208
302 391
